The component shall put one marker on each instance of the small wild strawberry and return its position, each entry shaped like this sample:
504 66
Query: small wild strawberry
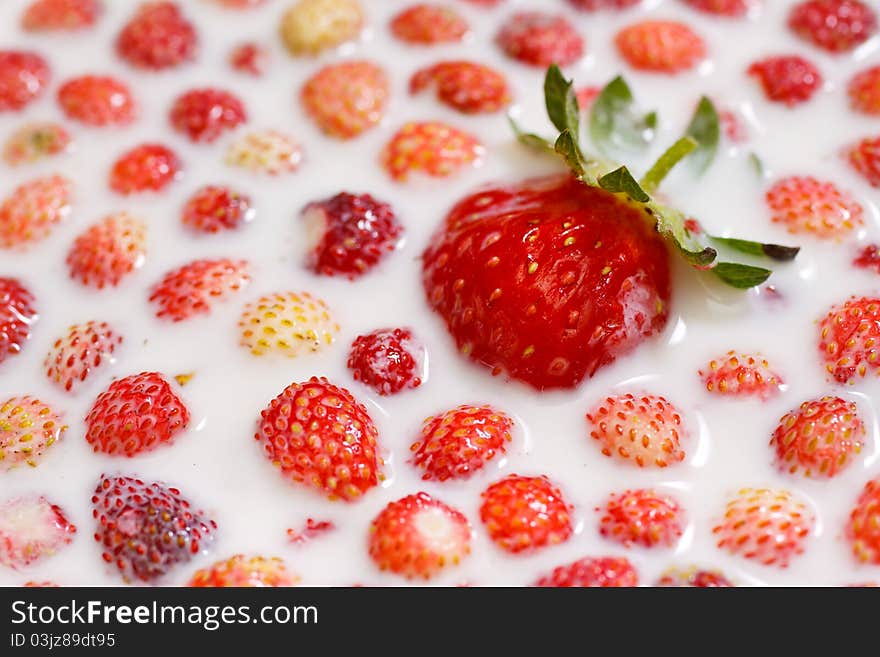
33 142
660 46
849 339
725 8
28 427
864 91
540 39
157 37
741 375
250 58
312 26
23 77
433 148
206 114
148 167
466 86
387 360
347 98
603 572
195 287
84 349
213 209
60 15
287 324
863 528
642 517
32 529
865 159
804 204
427 24
596 5
787 79
833 25
97 100
17 314
108 251
269 151
241 571
33 209
694 577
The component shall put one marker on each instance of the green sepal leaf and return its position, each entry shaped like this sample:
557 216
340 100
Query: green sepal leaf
705 129
671 224
566 145
740 276
664 164
756 164
612 122
621 181
529 139
561 102
776 252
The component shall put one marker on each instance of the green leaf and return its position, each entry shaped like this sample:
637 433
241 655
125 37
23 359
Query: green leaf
773 251
529 139
672 226
664 164
756 164
706 130
561 102
566 145
740 276
613 123
621 181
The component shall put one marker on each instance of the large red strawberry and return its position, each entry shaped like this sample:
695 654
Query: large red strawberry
766 525
807 205
418 536
547 280
108 251
134 415
787 79
193 288
833 25
60 15
33 209
17 313
864 91
214 208
319 434
206 114
642 517
387 360
461 441
602 572
23 77
97 100
242 571
540 39
347 98
523 514
35 141
426 24
145 530
849 339
352 234
28 427
466 86
158 36
865 159
147 167
660 46
863 528
31 529
819 438
84 349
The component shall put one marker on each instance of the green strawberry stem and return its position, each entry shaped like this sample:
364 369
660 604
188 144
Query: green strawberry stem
673 155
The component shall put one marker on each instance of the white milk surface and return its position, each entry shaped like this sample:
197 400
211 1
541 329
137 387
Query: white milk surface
217 463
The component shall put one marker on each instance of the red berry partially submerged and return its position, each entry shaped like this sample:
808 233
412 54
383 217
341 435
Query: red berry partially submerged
33 210
387 360
348 98
206 114
28 427
604 572
23 77
242 571
213 209
32 529
433 148
694 577
108 251
865 159
192 289
17 314
726 8
97 100
84 349
466 86
833 25
741 375
807 205
864 91
426 24
660 46
148 167
157 37
642 517
787 79
577 257
35 141
250 58
540 39
849 339
863 528
60 15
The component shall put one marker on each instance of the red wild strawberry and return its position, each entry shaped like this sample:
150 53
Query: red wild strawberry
788 79
865 159
525 513
352 234
741 375
313 528
287 324
33 210
148 167
44 584
419 536
319 434
694 577
833 25
819 437
466 86
766 525
864 91
433 148
157 37
242 571
32 529
348 98
193 288
205 114
485 3
807 205
108 251
28 427
642 517
848 339
310 27
601 572
57 15
213 209
240 4
250 58
660 46
597 5
387 360
268 151
540 39
646 430
35 141
868 258
145 530
459 442
733 127
97 100
84 349
586 96
425 24
17 313
726 8
506 256
23 76
863 528
134 415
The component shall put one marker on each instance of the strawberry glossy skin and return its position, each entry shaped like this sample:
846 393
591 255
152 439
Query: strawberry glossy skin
427 24
97 100
60 15
466 86
17 313
84 349
205 114
864 91
849 339
660 46
387 360
540 39
157 37
195 287
108 251
214 209
547 280
787 79
642 517
148 167
23 77
833 25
